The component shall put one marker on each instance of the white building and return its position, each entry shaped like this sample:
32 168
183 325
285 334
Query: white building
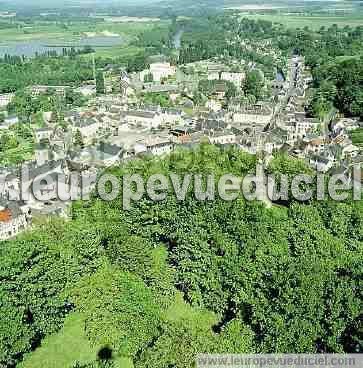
236 78
172 116
39 89
14 218
156 146
260 115
5 99
43 133
213 75
32 178
222 138
145 119
103 155
320 163
350 151
159 148
87 90
213 105
159 71
89 128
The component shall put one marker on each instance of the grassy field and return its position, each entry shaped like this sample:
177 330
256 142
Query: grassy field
348 57
357 137
180 310
68 346
59 34
115 51
313 22
64 348
71 32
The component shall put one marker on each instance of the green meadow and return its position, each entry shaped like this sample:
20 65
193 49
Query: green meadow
59 33
313 22
357 137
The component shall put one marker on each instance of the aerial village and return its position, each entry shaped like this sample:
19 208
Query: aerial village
120 125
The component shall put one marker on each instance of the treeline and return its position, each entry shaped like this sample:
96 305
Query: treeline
16 75
339 85
251 279
71 52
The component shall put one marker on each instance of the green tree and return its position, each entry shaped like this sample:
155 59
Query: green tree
254 84
100 83
120 310
78 139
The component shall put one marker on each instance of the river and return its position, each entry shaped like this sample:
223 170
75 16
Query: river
177 38
280 77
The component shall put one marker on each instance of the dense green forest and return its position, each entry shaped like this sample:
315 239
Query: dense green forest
159 283
17 73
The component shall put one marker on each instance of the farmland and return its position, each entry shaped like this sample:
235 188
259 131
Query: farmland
59 33
313 22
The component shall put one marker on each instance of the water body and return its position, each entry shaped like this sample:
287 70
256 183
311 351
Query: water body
177 38
280 77
33 47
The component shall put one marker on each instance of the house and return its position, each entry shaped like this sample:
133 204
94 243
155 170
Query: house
344 124
5 99
222 138
220 91
156 146
89 128
161 88
32 175
159 146
315 145
259 114
299 126
180 135
213 105
146 119
9 184
102 155
15 217
213 75
42 134
275 140
9 121
172 116
87 90
39 90
42 153
159 71
350 151
321 163
235 78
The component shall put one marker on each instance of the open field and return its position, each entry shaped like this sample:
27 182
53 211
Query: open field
357 137
73 31
115 51
313 22
60 34
68 346
64 348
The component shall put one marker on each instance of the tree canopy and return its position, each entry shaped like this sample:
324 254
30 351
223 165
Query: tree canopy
220 276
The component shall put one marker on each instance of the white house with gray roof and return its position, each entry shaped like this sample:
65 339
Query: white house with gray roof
146 119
